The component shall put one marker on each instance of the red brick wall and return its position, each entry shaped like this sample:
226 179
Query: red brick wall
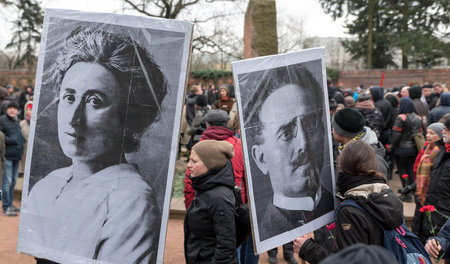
393 78
18 79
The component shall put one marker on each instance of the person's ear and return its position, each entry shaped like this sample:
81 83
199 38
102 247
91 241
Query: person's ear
258 157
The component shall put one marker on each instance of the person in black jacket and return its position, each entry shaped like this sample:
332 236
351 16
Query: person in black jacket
209 225
359 180
438 191
386 109
14 140
406 125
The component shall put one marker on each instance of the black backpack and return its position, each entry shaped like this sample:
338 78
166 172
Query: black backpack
400 241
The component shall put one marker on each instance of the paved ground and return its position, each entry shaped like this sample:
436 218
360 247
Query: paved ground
174 252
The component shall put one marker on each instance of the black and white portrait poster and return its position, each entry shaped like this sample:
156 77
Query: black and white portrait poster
103 139
286 140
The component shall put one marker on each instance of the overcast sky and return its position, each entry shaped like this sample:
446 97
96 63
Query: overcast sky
315 21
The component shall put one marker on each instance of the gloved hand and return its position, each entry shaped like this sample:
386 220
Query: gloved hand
405 190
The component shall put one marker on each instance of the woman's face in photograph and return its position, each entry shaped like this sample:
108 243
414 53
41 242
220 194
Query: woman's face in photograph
90 113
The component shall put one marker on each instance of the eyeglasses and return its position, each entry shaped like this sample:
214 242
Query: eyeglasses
289 131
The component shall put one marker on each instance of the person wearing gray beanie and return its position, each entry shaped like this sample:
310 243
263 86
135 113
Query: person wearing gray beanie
209 224
437 128
424 163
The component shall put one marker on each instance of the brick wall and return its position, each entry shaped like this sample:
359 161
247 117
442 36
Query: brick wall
393 78
18 79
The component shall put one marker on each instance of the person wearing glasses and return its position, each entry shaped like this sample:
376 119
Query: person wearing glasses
285 126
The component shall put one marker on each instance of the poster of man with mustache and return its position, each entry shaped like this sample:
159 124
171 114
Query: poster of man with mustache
286 134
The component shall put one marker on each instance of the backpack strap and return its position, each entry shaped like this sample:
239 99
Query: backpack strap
353 203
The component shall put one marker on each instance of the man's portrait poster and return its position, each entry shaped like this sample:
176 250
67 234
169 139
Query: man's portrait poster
286 139
103 139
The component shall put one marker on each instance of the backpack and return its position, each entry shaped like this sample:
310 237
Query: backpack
417 135
241 218
400 241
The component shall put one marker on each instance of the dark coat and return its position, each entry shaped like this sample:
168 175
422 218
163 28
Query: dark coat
209 227
385 107
334 93
404 127
374 119
355 226
444 237
438 192
14 139
190 110
443 109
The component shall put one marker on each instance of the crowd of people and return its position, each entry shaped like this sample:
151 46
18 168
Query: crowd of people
377 133
16 108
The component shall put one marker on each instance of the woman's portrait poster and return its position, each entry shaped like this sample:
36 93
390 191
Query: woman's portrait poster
286 138
103 139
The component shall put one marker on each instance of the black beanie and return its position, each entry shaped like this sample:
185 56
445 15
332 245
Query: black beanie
362 253
348 122
13 104
200 100
447 124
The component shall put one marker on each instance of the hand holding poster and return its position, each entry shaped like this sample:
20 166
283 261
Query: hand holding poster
109 91
285 132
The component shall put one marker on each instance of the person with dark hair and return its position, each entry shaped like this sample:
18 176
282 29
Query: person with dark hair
190 102
393 100
110 90
284 123
373 116
14 140
387 111
421 109
226 102
443 108
209 226
359 180
198 124
430 97
334 93
405 150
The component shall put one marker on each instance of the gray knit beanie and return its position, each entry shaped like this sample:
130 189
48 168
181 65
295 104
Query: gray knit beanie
213 153
437 127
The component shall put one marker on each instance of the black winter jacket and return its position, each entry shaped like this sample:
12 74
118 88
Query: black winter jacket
403 130
438 191
14 139
355 226
438 112
209 227
385 107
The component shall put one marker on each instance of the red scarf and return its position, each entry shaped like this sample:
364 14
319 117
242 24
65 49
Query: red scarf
447 147
217 133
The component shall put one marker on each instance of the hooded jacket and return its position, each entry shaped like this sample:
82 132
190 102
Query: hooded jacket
209 227
438 112
415 93
355 226
14 139
221 133
385 107
406 124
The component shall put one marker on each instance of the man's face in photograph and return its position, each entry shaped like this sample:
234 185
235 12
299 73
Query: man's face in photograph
289 121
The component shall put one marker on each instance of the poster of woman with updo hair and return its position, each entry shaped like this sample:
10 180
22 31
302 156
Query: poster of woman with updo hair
103 137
